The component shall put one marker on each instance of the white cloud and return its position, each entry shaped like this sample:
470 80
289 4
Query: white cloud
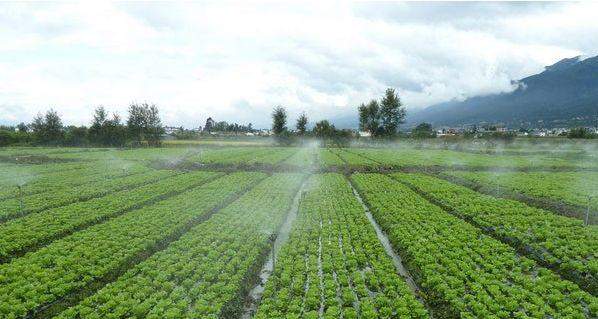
236 61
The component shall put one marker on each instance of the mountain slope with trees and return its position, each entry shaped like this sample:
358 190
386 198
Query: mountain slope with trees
564 94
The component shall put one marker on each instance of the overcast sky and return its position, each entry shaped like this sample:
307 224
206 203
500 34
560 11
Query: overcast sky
235 62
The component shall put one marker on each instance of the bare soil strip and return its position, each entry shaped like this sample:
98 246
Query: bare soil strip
255 294
396 259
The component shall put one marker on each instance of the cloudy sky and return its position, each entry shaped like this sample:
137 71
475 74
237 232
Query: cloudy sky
235 61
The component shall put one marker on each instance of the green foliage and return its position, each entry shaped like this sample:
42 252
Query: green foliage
279 120
332 247
369 118
423 130
331 135
48 129
466 273
581 132
144 124
382 119
301 124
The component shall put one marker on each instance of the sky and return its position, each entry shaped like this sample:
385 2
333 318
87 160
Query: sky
236 61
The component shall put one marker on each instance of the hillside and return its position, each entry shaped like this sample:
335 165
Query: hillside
565 93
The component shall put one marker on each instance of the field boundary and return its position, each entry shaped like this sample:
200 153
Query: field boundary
74 297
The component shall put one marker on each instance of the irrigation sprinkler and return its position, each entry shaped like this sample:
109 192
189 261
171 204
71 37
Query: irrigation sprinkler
20 194
272 241
587 220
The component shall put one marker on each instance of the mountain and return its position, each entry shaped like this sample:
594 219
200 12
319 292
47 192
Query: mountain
565 93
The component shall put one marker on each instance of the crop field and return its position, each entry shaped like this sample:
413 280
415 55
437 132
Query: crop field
219 229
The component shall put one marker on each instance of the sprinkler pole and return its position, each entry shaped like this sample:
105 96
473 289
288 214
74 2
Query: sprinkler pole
272 241
587 220
20 197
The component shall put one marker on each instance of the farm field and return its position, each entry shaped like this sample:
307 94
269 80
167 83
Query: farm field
219 229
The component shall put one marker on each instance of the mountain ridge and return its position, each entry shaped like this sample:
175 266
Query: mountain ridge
564 94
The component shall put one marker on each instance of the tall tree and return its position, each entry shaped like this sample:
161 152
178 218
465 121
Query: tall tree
97 134
279 120
136 123
37 127
423 130
302 124
323 129
54 131
154 127
209 125
115 131
369 118
392 112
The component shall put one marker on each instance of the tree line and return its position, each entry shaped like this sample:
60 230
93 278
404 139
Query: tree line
380 119
142 127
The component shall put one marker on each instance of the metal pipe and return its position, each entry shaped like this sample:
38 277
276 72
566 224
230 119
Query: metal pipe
587 220
20 198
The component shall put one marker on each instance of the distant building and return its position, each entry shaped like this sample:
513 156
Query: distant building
171 129
364 134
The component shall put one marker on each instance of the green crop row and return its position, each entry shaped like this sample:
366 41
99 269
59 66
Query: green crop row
13 174
557 241
11 208
33 229
305 157
327 158
570 187
71 263
67 179
205 272
333 263
427 157
464 273
354 159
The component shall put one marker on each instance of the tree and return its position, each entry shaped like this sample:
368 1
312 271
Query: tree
329 134
54 130
384 118
369 118
209 125
154 129
97 134
392 112
37 128
115 131
144 124
22 127
279 120
423 130
76 136
323 129
581 132
302 124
